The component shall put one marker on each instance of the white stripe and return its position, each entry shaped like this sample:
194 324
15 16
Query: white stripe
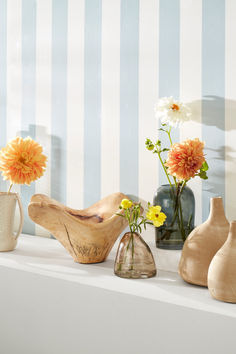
14 71
43 93
148 94
190 78
75 104
230 108
110 109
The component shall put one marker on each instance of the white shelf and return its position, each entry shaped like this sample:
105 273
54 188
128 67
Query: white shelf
74 308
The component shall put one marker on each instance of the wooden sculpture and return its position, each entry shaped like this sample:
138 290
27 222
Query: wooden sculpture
222 270
202 244
89 234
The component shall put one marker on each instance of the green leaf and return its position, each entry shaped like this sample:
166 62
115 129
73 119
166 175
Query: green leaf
202 175
120 215
161 129
165 149
205 166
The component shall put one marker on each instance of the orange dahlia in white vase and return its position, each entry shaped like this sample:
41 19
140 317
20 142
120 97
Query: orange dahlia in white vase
21 162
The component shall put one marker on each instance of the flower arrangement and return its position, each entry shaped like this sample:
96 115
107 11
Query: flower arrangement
134 258
132 212
184 160
22 161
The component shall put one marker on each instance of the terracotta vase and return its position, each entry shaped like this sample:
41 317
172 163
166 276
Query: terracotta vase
222 270
202 244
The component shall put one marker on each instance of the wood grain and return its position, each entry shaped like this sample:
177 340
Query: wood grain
89 234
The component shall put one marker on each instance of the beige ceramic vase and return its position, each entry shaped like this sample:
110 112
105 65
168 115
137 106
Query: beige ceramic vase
222 270
8 239
202 244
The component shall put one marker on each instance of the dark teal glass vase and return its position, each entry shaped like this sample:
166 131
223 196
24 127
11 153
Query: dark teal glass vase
179 206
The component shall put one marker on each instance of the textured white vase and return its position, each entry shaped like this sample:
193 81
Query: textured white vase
8 239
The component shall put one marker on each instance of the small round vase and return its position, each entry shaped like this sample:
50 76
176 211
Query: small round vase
179 208
134 258
202 244
222 270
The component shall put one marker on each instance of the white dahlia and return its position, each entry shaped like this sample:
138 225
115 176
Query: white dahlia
172 112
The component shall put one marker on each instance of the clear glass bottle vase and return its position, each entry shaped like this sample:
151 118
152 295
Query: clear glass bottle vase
134 258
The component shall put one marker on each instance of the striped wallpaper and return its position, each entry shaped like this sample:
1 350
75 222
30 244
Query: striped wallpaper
82 77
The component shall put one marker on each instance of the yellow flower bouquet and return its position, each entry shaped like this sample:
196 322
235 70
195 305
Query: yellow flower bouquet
134 258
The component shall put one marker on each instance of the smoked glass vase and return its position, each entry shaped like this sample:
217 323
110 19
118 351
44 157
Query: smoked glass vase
179 206
134 258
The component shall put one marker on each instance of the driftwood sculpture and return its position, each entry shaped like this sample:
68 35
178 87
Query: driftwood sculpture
89 234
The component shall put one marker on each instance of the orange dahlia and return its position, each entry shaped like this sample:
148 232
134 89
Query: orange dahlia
185 159
22 161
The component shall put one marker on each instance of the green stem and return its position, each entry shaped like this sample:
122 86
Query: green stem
164 168
168 132
132 267
180 215
10 188
171 143
181 222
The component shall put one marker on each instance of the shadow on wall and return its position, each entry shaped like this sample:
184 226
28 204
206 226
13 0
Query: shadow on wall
51 147
218 122
211 107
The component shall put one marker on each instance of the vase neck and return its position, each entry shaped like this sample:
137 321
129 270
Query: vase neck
217 213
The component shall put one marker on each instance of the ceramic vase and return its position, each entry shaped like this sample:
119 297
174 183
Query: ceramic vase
8 239
202 244
222 270
179 206
134 258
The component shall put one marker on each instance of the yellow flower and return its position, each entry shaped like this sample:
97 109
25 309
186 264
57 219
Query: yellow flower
22 161
155 215
126 204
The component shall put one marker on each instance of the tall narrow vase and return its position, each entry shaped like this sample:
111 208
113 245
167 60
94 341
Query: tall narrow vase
222 270
179 206
134 258
8 239
202 244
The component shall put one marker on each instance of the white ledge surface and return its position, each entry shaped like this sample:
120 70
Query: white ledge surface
50 304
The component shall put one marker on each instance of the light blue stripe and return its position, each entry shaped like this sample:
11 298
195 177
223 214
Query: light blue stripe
59 100
28 93
169 61
213 103
92 102
129 80
3 79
